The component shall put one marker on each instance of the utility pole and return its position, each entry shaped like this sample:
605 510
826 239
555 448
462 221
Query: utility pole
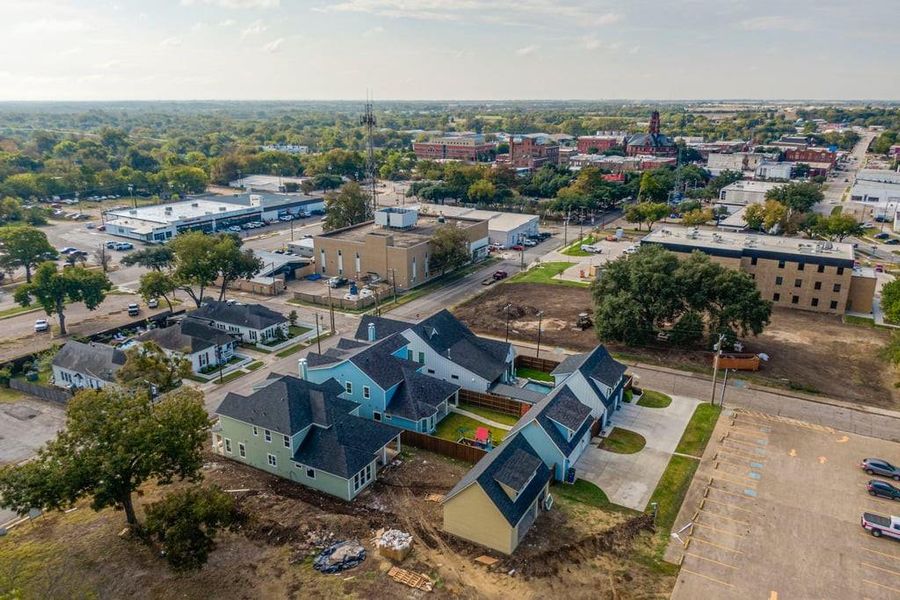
566 229
724 385
506 309
718 348
540 321
394 284
331 308
318 337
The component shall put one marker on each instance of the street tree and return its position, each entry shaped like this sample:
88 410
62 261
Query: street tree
156 284
838 227
148 367
346 207
797 197
890 300
156 258
653 212
195 263
656 185
449 249
24 247
635 214
698 216
482 192
186 523
53 289
114 441
234 263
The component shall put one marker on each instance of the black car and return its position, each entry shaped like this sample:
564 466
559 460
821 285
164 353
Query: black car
878 466
892 242
877 487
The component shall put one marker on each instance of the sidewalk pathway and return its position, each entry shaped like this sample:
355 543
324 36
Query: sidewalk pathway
478 417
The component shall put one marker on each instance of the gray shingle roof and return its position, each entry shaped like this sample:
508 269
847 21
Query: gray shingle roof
254 316
384 327
187 336
657 140
337 442
498 461
563 406
97 360
419 395
596 365
450 338
378 362
517 470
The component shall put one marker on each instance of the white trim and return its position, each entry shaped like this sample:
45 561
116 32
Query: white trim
272 460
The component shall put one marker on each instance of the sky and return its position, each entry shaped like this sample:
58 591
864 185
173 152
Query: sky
449 49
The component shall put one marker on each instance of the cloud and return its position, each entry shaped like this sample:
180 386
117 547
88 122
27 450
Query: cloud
774 23
527 50
234 4
227 23
274 46
49 26
373 31
255 28
110 64
170 42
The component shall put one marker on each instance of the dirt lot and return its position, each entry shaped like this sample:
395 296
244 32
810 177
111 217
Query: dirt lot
808 352
81 554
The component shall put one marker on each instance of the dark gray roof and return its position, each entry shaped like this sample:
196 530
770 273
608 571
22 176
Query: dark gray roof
519 393
384 327
378 362
337 441
314 359
187 336
657 140
450 338
254 316
596 365
348 344
564 407
517 470
419 395
97 360
506 459
569 364
567 410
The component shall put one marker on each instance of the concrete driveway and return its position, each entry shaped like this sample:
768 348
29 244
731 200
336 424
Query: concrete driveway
629 479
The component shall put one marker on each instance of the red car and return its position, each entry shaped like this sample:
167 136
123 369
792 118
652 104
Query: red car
517 247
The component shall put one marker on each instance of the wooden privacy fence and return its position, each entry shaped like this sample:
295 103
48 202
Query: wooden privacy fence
441 446
53 394
508 406
541 364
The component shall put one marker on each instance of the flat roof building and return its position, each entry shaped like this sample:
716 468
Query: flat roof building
395 247
503 227
807 274
465 147
744 193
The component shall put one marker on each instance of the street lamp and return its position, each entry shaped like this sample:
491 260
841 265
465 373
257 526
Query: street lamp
506 309
540 321
131 193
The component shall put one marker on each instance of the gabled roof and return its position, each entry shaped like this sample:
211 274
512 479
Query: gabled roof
596 365
253 316
379 363
384 327
96 360
337 442
419 395
450 338
187 336
561 406
514 460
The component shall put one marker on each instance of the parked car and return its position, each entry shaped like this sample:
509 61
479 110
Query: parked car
892 242
590 248
882 235
124 246
879 466
235 228
498 275
89 225
879 268
530 243
133 310
152 303
517 247
41 325
881 526
111 244
68 250
336 282
631 249
876 487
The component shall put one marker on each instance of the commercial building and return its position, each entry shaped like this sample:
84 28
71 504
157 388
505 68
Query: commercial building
395 247
468 148
161 222
810 155
620 164
878 176
503 227
742 162
532 151
773 170
744 193
266 183
791 272
652 143
286 148
600 141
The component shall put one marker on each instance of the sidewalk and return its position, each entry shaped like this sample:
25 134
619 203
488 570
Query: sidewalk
478 417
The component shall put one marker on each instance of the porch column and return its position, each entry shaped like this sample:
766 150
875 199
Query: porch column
398 443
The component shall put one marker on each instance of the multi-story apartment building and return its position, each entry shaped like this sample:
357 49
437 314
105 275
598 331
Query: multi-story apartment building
792 272
468 148
532 151
602 140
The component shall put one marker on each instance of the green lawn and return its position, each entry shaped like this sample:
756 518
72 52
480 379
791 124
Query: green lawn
493 415
231 376
586 492
574 249
295 330
18 310
8 395
628 396
623 441
449 428
289 350
544 273
652 399
672 487
699 430
534 374
254 365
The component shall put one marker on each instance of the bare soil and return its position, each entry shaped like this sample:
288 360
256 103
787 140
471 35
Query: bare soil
574 550
808 352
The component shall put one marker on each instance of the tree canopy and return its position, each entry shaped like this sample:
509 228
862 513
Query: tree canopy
449 249
24 247
346 207
53 289
149 367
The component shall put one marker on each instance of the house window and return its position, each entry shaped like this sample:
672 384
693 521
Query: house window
272 460
349 387
255 430
801 266
753 261
840 270
409 355
779 280
287 442
253 335
776 297
780 264
821 269
834 305
311 473
227 445
795 299
268 435
818 285
376 416
422 357
431 371
366 392
837 287
798 283
814 302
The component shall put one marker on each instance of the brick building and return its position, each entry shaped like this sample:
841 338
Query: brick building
467 148
601 141
810 155
532 151
652 143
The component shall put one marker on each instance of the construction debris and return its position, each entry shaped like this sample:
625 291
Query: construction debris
435 497
488 561
394 544
413 580
340 557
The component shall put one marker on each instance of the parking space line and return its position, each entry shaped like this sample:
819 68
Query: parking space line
881 585
683 570
712 560
754 437
753 445
891 571
704 525
756 449
748 482
707 512
714 545
737 462
741 454
724 491
892 556
734 506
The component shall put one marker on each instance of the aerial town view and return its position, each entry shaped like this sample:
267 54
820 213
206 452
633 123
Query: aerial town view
383 299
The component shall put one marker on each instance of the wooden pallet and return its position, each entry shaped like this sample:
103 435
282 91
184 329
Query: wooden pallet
413 580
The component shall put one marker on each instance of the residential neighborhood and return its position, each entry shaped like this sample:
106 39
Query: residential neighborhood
454 300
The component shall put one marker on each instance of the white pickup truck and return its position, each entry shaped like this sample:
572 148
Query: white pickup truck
881 526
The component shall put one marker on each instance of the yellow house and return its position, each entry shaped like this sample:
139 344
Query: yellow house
497 501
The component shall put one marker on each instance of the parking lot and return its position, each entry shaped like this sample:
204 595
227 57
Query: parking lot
774 513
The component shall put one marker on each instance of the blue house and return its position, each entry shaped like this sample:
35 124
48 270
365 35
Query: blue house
387 386
596 378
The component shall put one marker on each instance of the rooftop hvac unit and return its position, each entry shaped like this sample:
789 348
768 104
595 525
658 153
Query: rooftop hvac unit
195 204
168 209
223 208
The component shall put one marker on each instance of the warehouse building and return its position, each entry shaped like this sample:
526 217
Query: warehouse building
743 193
161 222
798 273
503 227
